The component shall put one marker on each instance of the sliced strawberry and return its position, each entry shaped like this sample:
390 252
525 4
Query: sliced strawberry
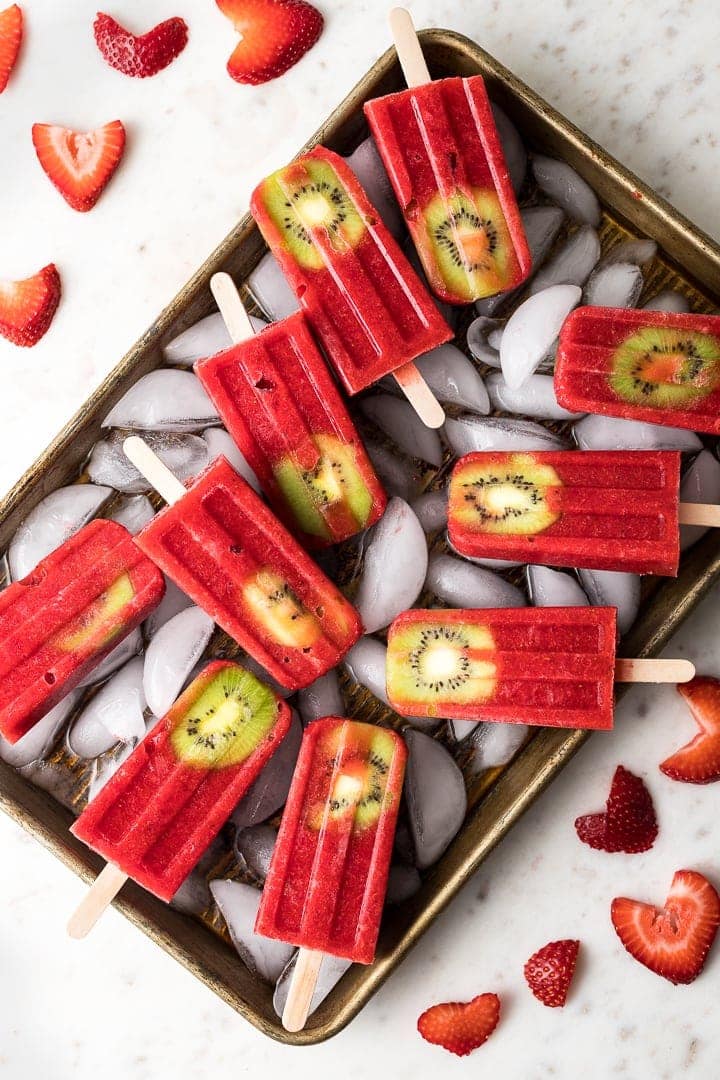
628 824
549 971
11 32
461 1027
275 34
698 762
79 163
673 941
140 56
27 307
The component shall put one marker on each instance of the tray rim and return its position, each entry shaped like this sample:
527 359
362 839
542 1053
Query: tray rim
688 589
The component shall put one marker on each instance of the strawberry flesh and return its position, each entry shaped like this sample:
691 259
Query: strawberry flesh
275 34
698 762
27 307
629 823
461 1027
140 56
79 163
11 32
549 971
673 941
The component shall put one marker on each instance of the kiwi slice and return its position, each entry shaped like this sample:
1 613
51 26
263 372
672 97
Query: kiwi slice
276 607
314 199
226 722
82 631
466 240
665 368
358 772
512 498
434 662
335 478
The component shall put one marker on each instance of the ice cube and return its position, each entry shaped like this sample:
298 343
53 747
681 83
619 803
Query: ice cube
219 442
595 432
612 588
536 398
566 188
254 847
431 510
512 145
461 584
269 792
203 338
553 588
133 512
467 433
321 698
572 263
55 518
478 340
366 163
238 904
399 421
173 602
269 289
617 285
435 794
668 300
403 882
453 378
117 710
39 740
399 477
171 655
332 969
638 252
184 455
128 647
394 567
164 400
531 330
495 744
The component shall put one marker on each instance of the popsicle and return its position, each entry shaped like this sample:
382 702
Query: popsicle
61 620
281 406
366 305
553 667
442 152
327 879
222 546
601 510
657 366
166 803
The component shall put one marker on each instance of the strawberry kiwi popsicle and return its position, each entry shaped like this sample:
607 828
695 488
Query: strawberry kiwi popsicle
60 621
222 546
552 667
326 884
166 803
442 152
366 305
279 403
656 366
601 510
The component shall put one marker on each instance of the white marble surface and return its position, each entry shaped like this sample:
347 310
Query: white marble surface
644 81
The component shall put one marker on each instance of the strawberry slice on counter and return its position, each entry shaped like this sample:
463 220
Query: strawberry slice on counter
140 56
673 941
698 762
275 34
27 307
628 824
11 32
79 163
549 971
461 1027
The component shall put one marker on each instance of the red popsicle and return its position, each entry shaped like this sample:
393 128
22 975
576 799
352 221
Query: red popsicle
61 620
656 366
282 408
166 803
602 510
443 155
327 880
222 546
365 303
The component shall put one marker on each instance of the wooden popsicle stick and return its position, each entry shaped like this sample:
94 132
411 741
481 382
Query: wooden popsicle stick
420 396
100 896
232 309
153 469
699 514
654 671
302 987
408 48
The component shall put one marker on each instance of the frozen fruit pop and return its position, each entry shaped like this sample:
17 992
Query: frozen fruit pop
278 401
326 884
601 510
553 667
61 620
166 803
443 155
657 366
366 305
223 547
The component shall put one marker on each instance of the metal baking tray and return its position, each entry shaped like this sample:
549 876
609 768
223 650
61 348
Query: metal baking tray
688 261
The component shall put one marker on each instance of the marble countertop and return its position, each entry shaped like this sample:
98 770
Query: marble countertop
644 81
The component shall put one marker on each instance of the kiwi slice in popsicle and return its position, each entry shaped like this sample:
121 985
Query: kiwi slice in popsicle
231 716
334 478
430 663
665 368
359 785
82 631
512 499
275 606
